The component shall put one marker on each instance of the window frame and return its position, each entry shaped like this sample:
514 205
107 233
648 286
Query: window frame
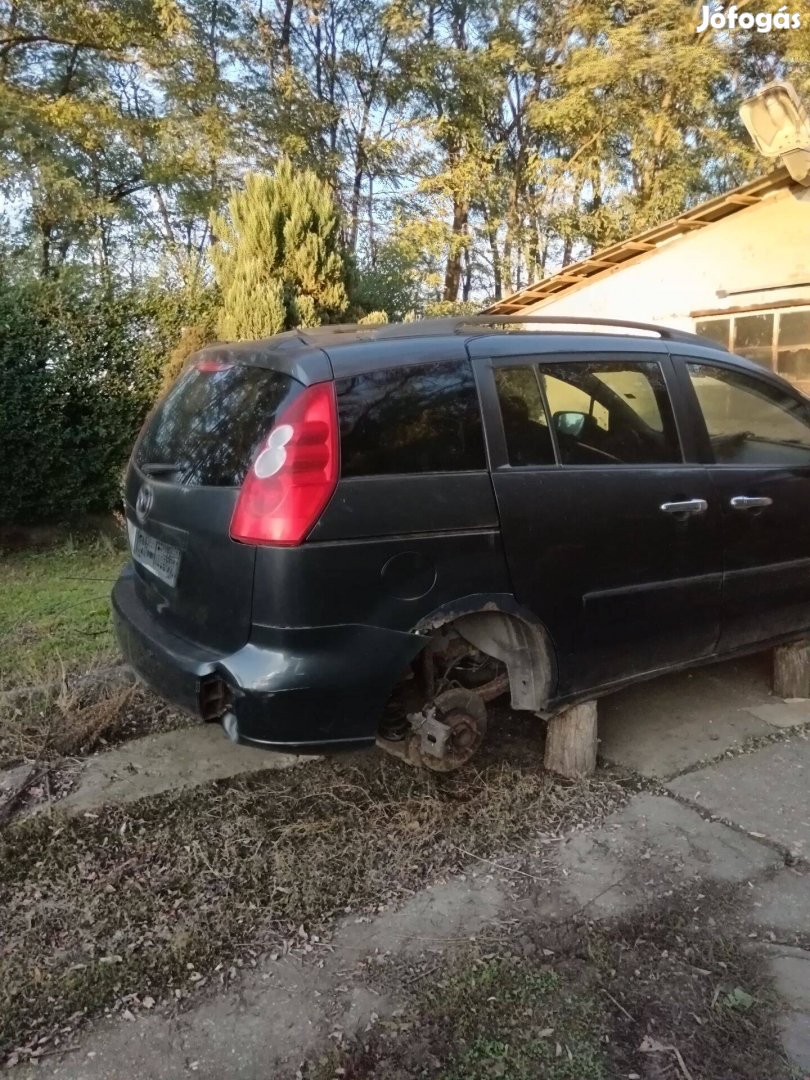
770 379
495 434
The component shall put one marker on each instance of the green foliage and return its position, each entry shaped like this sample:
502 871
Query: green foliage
391 283
278 259
78 371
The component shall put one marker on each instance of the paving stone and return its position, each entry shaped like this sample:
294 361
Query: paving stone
794 1028
653 841
782 903
169 761
783 714
664 726
790 969
766 792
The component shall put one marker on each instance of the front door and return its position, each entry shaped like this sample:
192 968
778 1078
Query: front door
758 445
611 537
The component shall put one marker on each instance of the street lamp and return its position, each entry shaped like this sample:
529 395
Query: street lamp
778 123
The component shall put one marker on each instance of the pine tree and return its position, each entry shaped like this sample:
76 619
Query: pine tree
278 260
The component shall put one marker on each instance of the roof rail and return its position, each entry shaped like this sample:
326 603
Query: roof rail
458 324
667 333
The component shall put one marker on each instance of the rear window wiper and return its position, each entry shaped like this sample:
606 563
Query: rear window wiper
152 468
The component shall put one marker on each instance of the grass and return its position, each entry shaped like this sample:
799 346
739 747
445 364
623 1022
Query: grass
659 995
485 1016
55 610
55 624
147 898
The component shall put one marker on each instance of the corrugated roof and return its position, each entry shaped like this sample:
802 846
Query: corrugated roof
636 247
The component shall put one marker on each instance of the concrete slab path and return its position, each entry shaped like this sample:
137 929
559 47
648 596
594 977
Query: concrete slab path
766 793
667 725
169 761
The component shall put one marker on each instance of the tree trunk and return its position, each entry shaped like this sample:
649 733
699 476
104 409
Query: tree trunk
791 670
466 288
571 741
372 241
452 277
357 183
492 237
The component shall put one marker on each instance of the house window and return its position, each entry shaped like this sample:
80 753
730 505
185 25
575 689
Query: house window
793 355
778 340
718 330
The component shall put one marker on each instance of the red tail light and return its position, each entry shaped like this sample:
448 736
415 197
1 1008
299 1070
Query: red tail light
293 474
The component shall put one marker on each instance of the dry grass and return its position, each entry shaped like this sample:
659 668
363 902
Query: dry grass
145 898
58 693
79 717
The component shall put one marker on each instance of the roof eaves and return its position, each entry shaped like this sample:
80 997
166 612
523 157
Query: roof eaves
635 247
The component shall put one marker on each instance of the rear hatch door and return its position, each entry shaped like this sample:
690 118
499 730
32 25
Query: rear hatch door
181 487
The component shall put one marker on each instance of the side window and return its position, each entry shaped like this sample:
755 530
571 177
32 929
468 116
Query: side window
528 439
611 412
750 422
414 419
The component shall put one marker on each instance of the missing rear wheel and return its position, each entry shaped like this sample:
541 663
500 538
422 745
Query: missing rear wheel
445 734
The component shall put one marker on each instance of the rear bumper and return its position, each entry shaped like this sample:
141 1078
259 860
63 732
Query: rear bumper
289 688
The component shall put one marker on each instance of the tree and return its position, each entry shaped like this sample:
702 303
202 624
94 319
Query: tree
277 259
67 147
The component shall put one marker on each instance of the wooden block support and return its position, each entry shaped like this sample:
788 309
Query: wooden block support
571 741
791 670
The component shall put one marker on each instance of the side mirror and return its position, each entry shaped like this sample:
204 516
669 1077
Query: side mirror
570 423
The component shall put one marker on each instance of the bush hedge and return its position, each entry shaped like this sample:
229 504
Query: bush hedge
79 369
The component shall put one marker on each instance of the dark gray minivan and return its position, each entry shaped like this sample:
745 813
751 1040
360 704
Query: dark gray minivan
353 533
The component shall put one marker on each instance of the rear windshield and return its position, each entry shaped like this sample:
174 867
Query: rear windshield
209 424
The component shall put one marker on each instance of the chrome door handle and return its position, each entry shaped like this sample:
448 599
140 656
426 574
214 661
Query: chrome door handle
749 502
686 506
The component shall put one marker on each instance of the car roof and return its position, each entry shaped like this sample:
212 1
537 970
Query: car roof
313 354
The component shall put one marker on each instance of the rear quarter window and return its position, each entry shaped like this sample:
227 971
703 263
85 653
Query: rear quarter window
416 419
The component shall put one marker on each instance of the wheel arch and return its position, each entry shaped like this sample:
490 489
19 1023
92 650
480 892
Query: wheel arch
497 625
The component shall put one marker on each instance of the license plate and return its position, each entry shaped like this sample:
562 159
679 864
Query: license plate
162 559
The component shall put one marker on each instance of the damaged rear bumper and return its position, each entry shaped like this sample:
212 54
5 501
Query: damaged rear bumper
289 688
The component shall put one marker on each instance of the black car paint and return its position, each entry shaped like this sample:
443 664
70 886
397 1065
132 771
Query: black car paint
311 639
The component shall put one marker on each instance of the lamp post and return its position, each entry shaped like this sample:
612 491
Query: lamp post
778 123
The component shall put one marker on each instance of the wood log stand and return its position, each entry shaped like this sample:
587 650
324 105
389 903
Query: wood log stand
791 670
571 741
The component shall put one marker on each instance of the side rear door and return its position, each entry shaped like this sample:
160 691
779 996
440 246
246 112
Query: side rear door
611 536
756 442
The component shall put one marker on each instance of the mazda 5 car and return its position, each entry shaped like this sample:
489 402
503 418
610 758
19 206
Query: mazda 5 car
352 534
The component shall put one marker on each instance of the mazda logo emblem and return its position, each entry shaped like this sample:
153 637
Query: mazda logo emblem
143 504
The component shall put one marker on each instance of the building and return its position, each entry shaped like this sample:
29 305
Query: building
736 269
